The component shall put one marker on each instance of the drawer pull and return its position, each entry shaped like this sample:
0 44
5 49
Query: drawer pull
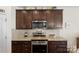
26 49
25 45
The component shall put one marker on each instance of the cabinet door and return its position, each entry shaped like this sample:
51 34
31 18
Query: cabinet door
42 14
78 43
21 46
57 46
61 46
50 19
23 19
26 46
19 19
39 15
58 18
16 47
36 15
27 15
51 47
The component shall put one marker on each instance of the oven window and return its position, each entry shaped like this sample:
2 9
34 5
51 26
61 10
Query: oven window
39 48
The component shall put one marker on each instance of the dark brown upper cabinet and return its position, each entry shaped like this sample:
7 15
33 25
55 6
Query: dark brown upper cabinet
58 18
19 19
36 15
27 19
50 19
39 15
42 14
24 18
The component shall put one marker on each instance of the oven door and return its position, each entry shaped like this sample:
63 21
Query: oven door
39 48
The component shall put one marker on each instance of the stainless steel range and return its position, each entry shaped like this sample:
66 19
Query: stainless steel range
39 46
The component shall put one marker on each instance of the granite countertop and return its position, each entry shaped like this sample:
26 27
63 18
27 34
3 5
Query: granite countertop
57 38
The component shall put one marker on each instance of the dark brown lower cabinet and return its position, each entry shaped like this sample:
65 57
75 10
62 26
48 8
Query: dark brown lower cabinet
57 46
21 46
77 42
25 47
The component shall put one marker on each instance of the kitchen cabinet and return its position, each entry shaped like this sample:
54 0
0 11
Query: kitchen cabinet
57 46
21 47
58 18
36 15
39 15
54 18
26 47
50 19
16 47
42 14
24 18
77 42
19 19
27 19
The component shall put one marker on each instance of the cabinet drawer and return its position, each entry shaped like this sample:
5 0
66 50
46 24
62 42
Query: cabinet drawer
26 42
51 42
61 42
61 46
16 42
58 42
21 46
62 50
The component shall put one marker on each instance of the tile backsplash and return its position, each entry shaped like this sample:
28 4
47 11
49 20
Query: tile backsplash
20 33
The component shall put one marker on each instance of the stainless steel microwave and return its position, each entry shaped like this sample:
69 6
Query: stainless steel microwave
39 24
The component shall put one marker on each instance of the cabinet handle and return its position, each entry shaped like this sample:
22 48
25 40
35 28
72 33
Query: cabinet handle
26 49
25 45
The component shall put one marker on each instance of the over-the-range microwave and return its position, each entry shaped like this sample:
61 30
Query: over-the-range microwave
39 24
